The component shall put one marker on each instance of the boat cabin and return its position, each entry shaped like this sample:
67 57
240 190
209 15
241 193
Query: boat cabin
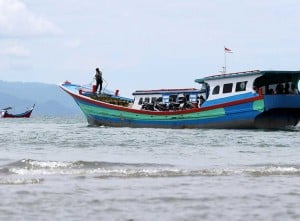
278 82
241 85
166 99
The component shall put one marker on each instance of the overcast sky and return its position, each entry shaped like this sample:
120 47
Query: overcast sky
145 44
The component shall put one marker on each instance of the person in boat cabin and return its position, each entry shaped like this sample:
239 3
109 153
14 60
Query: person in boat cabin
294 90
287 88
201 100
270 91
255 89
279 89
99 80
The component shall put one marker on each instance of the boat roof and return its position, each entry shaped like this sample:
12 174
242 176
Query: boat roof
166 91
247 73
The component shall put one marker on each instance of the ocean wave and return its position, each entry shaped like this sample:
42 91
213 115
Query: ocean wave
273 170
28 167
18 181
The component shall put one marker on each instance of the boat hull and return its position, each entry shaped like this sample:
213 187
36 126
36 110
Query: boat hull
26 114
259 111
281 111
278 118
232 116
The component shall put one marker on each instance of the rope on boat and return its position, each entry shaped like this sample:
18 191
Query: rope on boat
90 85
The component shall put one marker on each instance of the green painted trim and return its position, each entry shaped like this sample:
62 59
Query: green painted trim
91 110
259 105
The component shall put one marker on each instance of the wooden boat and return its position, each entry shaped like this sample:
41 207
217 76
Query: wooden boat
5 114
235 100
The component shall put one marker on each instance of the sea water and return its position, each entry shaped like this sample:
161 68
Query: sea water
63 169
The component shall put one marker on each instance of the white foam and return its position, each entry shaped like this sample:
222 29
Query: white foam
33 167
273 170
20 181
47 164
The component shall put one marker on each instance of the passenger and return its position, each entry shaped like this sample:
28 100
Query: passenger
287 88
201 100
279 89
99 80
294 90
271 91
255 89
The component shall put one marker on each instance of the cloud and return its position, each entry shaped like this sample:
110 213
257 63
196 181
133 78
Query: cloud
17 51
17 20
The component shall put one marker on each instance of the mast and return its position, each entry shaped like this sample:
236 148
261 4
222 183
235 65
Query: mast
226 50
224 68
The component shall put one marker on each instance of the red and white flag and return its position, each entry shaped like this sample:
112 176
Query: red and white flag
227 50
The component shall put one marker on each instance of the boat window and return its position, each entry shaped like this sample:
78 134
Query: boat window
140 101
153 100
147 99
227 88
193 98
216 90
181 98
159 99
173 98
165 99
240 86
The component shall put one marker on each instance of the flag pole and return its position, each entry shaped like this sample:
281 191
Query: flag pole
224 61
226 50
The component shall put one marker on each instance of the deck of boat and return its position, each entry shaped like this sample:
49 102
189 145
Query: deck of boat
107 98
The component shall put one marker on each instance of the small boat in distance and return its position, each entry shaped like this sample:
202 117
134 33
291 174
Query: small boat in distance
242 100
5 114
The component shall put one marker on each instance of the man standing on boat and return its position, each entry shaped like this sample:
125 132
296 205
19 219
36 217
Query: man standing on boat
99 80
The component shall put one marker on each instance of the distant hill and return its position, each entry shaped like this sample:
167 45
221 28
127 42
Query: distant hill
49 99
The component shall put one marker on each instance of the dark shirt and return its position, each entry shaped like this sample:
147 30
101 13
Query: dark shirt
98 77
279 89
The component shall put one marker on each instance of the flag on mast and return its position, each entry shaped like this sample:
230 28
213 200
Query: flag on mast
227 50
